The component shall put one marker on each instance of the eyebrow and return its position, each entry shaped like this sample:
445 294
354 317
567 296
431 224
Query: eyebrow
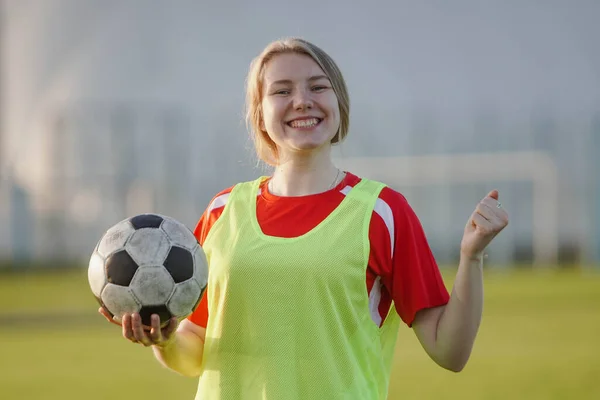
311 79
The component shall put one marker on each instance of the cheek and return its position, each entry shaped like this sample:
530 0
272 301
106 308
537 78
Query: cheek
334 109
335 113
337 116
270 114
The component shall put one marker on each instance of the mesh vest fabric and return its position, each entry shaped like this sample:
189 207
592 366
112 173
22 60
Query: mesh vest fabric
289 318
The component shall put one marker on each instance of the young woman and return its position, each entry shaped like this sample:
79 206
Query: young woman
313 268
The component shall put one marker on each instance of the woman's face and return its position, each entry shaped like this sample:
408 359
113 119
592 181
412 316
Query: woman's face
299 107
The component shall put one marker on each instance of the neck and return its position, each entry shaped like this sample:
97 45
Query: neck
302 176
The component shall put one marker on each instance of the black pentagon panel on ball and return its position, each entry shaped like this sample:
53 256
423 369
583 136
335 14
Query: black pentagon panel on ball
162 311
146 221
180 264
120 268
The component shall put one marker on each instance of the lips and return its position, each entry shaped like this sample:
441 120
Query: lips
305 122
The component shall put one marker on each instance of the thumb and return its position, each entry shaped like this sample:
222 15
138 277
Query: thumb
493 194
108 316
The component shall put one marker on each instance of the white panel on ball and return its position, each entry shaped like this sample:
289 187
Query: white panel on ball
184 297
152 286
179 233
115 238
119 300
148 246
200 266
96 274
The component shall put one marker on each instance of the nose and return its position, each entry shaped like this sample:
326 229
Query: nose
303 100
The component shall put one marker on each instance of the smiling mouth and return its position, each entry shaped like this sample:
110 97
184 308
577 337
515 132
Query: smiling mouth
305 123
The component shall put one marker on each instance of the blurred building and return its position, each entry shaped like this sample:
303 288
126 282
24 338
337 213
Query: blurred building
115 108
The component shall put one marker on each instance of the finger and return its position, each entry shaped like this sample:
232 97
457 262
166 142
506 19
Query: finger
490 201
107 315
170 329
103 312
127 328
499 214
494 220
490 210
481 222
494 194
495 207
168 332
138 330
155 331
485 211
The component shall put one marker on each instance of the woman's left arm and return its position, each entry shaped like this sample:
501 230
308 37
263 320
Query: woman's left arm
447 333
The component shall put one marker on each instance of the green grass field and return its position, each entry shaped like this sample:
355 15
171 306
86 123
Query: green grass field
539 340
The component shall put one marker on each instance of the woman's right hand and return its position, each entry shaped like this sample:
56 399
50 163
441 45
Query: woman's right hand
136 332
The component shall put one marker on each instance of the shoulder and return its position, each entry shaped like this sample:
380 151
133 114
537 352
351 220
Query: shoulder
393 219
215 208
210 215
390 203
220 199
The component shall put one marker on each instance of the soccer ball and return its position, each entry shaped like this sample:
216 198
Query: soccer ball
149 264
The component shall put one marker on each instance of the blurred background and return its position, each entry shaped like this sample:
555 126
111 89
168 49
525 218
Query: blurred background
113 108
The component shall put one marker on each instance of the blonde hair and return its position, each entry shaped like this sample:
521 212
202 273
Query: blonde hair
266 149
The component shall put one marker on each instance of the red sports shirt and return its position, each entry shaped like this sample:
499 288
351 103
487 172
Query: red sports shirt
401 265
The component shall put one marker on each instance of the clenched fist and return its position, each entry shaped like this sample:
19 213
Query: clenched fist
488 219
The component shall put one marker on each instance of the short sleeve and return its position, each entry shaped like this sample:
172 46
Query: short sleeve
416 281
207 220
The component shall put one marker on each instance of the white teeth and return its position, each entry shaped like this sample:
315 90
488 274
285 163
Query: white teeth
304 123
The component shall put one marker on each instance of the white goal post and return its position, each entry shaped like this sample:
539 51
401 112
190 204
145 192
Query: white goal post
537 168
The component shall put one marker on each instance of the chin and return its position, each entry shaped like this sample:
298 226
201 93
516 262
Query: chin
308 146
309 142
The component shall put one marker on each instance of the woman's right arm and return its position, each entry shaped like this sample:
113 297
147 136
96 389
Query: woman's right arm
182 352
177 346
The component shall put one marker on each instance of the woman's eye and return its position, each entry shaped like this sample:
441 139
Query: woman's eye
282 92
319 88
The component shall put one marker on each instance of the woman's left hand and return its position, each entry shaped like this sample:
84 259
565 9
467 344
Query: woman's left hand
488 219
